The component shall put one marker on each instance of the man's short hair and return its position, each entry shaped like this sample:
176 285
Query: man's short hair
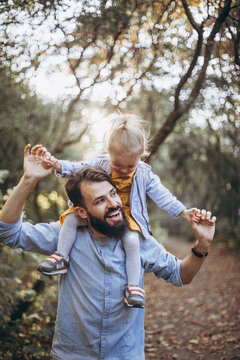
87 174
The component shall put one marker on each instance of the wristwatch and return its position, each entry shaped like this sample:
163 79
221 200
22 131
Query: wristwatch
199 254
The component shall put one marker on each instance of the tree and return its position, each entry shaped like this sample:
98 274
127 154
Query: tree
23 119
126 44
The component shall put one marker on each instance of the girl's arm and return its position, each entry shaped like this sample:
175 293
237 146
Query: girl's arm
166 201
161 195
186 213
65 168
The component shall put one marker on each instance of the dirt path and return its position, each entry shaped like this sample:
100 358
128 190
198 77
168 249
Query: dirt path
201 320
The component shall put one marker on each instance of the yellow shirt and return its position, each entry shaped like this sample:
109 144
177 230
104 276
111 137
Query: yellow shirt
124 188
68 211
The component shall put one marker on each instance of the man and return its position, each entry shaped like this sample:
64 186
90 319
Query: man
92 320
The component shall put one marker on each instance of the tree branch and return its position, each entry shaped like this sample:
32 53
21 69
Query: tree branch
190 69
178 111
59 148
190 17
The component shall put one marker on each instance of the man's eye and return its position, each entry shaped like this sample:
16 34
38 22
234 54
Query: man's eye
99 201
114 193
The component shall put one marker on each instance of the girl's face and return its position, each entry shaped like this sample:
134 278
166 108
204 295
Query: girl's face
124 163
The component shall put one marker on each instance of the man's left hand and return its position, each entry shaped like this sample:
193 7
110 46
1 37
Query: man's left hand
203 225
33 168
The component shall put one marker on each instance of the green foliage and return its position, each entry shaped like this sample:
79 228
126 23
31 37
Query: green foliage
26 315
25 119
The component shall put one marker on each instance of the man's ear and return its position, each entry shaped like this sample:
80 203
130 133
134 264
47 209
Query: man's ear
80 211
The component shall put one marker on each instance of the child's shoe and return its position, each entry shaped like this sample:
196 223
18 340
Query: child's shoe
54 265
134 296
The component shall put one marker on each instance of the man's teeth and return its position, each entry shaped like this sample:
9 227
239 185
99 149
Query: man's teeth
115 213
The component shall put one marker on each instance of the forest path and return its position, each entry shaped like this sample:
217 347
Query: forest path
200 321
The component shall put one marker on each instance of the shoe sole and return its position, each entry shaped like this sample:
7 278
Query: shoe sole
131 305
57 272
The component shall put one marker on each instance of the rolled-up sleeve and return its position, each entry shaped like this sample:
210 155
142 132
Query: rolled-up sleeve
158 260
40 238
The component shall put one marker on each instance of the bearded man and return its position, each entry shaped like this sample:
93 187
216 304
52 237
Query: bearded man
92 320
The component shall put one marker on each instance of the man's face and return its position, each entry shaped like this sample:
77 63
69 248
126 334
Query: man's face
103 209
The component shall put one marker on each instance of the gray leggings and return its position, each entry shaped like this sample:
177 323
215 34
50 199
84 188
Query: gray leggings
68 234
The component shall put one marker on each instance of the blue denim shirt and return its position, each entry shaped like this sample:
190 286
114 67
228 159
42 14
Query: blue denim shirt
92 320
144 182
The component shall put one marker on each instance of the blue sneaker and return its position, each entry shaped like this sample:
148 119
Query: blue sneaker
54 265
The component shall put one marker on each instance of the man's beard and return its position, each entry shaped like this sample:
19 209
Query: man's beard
117 230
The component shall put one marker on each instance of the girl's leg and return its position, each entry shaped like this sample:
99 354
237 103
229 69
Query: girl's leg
132 250
68 234
57 263
134 294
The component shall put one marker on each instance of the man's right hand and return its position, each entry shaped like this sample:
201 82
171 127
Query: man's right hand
33 168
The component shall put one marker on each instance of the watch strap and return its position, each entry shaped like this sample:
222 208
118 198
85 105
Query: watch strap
199 254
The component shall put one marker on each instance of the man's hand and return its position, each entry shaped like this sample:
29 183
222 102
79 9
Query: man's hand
33 172
203 225
33 168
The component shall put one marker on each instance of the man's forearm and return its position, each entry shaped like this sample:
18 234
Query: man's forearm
13 208
190 267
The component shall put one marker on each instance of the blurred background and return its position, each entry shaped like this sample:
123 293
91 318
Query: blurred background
67 67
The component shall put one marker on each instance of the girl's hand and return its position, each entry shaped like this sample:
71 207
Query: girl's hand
49 161
187 213
46 161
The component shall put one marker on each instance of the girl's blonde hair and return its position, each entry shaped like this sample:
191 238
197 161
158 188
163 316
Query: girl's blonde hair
127 135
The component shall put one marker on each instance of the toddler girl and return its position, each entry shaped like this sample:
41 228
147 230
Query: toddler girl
134 179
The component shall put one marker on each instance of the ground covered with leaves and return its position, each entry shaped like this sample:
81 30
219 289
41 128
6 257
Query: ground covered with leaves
200 321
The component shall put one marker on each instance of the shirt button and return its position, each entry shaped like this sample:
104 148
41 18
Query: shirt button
107 293
105 316
103 337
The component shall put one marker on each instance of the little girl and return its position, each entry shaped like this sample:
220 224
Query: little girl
134 179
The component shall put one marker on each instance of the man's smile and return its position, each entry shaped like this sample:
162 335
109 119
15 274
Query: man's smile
114 214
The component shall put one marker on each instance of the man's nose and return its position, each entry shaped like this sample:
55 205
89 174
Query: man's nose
112 203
